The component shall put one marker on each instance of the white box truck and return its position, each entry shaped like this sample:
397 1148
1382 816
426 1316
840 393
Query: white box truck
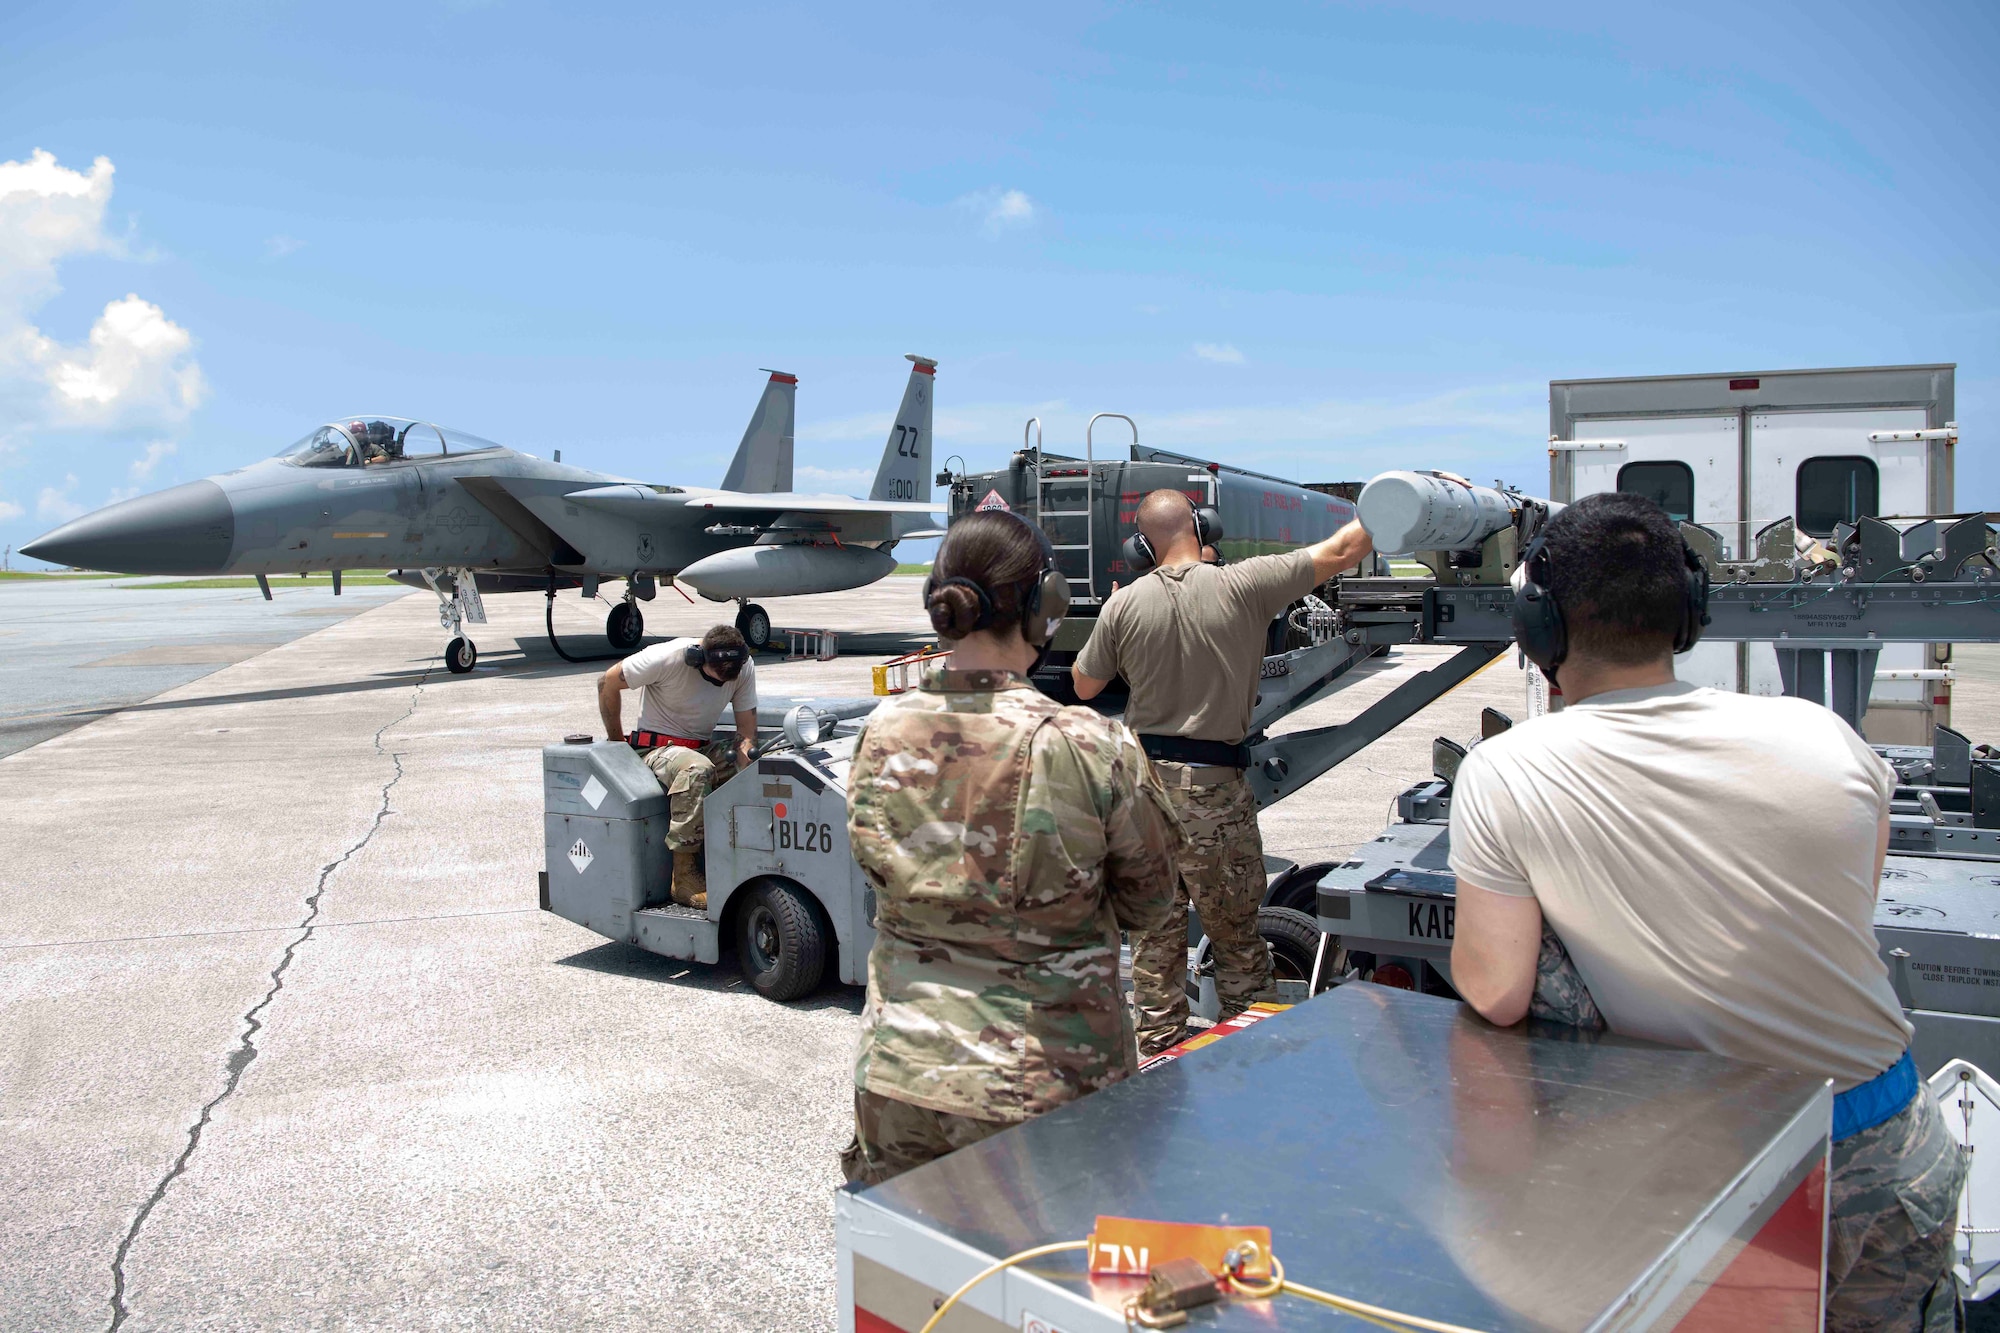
1735 452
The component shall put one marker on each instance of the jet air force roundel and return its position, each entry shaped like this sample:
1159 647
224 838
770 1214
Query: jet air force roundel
992 501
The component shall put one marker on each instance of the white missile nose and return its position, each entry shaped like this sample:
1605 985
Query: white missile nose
1392 509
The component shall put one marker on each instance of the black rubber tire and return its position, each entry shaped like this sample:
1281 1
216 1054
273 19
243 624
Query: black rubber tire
460 655
1294 940
780 944
624 627
753 622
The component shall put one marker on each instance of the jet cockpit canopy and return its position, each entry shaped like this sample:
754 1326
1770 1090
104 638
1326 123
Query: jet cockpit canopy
365 441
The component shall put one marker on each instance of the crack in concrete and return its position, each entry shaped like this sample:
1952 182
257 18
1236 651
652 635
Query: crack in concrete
253 1022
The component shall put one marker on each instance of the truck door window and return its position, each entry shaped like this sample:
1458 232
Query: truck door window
1668 485
1836 490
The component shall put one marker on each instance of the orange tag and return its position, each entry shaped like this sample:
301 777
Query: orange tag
1135 1246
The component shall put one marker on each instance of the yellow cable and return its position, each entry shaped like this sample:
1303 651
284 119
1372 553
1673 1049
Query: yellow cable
1394 1320
1374 1314
985 1273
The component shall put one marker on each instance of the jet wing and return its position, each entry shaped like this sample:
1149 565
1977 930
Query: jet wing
792 502
628 500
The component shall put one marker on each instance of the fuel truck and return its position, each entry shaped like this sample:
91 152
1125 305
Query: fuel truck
1089 507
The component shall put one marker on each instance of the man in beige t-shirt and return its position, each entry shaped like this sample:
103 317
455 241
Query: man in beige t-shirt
1710 861
684 685
1188 638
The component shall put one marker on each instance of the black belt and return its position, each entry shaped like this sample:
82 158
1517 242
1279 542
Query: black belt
1187 750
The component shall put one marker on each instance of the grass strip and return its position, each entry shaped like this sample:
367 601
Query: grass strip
279 582
23 575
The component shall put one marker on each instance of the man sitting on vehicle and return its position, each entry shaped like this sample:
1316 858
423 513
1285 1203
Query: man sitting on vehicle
1711 862
685 683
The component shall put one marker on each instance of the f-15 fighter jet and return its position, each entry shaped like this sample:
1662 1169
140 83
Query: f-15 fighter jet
459 515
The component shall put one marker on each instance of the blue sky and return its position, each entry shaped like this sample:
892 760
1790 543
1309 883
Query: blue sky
1318 240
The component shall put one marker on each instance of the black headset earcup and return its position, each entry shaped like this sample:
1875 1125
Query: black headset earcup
1538 622
1047 604
1207 525
1694 612
694 656
1138 553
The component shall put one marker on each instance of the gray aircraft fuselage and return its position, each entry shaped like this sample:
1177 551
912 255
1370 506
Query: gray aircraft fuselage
460 514
277 517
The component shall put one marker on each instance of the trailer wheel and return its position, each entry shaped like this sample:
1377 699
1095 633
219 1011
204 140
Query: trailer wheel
1294 940
779 943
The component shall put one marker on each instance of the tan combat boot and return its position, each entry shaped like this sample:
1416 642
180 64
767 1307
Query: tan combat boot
690 886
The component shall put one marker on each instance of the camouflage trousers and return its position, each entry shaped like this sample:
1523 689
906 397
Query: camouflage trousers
891 1137
1222 873
1892 1198
1894 1203
688 776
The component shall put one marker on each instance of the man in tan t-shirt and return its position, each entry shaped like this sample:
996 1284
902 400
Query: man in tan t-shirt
1188 638
1710 861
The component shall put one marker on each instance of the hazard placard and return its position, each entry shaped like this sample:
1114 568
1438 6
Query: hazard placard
992 501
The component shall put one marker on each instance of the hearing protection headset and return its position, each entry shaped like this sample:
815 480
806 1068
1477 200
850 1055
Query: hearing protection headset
1538 620
1043 605
1139 552
725 659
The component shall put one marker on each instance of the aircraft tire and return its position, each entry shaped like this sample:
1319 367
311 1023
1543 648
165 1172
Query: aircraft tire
780 944
624 627
459 656
754 623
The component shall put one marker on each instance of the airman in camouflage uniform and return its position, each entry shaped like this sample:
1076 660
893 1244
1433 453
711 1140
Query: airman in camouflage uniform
1893 1201
1009 840
1223 869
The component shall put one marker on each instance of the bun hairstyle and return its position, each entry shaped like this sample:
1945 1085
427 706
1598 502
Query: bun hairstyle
986 568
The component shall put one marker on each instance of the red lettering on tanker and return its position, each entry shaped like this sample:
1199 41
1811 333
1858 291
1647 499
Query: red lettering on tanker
1279 500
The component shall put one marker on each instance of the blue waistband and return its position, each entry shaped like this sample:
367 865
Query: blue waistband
1866 1105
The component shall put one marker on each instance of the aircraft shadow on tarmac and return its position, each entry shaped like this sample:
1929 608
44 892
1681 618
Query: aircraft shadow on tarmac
535 662
624 960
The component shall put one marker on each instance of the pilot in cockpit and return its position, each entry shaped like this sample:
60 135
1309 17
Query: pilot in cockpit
376 440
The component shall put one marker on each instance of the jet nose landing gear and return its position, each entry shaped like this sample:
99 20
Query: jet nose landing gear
457 608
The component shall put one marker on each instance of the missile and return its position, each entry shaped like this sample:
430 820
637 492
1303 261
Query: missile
786 570
1433 511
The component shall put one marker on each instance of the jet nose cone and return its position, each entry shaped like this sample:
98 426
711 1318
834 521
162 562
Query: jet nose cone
182 530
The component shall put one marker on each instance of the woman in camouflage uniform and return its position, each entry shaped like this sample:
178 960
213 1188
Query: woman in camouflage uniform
1009 839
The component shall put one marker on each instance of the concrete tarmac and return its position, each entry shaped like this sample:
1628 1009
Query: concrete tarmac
285 1043
76 649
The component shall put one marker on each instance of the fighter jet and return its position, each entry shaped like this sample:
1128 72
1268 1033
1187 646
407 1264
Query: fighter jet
461 515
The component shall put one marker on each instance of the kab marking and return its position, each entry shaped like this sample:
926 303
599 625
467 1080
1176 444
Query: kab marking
1431 921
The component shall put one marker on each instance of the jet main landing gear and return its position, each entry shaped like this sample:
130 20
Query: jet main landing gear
753 622
625 626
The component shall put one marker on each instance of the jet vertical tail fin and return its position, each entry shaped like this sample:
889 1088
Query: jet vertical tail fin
905 473
763 461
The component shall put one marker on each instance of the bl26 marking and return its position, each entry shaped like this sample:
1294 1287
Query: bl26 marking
804 836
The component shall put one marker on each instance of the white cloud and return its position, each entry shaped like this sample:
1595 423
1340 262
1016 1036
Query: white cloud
142 468
281 245
135 369
1225 353
999 210
54 503
850 479
10 510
